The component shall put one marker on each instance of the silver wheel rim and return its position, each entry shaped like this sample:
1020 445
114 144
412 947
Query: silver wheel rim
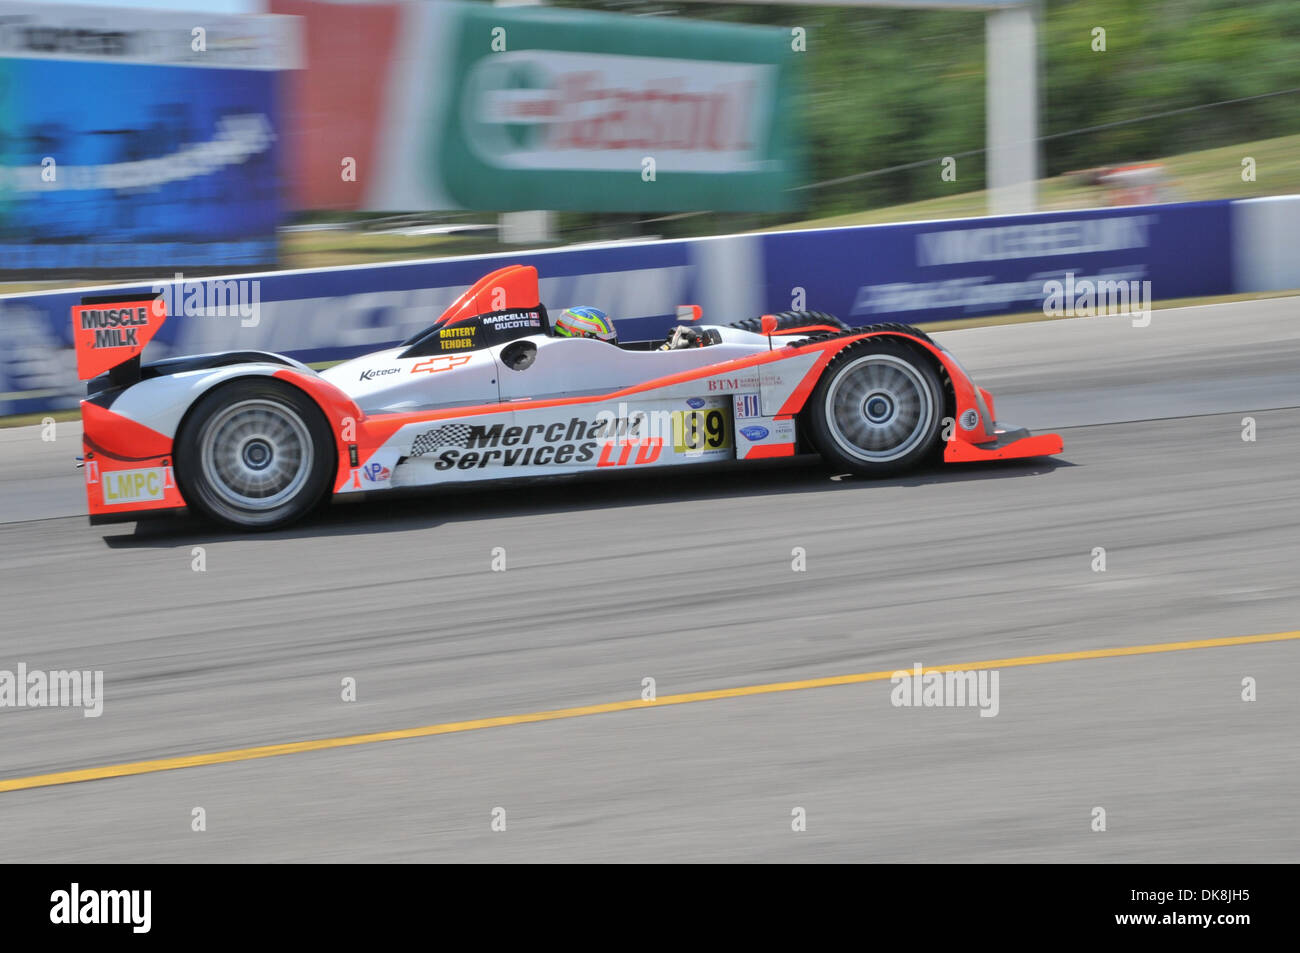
879 408
256 455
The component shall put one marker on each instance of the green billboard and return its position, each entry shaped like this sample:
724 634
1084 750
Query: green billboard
579 111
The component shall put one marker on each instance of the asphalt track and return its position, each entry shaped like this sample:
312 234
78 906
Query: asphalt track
687 579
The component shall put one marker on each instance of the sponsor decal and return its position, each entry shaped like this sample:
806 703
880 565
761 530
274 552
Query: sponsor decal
695 431
610 441
452 339
449 435
443 362
747 406
100 328
511 320
1033 240
115 327
724 383
376 472
134 486
550 109
50 31
969 419
236 140
754 433
695 403
547 454
620 454
466 446
378 372
54 40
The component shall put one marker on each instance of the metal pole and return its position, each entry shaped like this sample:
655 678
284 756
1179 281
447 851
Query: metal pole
1011 51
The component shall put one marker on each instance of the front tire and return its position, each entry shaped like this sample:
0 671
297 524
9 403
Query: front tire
878 409
255 453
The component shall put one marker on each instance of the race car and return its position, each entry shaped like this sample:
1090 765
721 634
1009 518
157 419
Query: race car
494 390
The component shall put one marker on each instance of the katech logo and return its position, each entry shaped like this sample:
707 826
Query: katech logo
754 433
378 372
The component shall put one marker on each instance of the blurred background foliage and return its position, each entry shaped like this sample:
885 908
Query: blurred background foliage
886 87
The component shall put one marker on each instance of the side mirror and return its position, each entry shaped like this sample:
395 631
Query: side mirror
769 324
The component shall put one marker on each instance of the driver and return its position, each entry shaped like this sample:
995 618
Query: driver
584 322
683 336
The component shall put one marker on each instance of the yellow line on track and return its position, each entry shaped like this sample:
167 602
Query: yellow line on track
742 691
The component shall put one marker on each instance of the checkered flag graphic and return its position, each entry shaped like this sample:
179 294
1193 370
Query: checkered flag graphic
452 435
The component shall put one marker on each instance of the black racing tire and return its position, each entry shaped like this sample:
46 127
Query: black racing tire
877 409
255 453
791 321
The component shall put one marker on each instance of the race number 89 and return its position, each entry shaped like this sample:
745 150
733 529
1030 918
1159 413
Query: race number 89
699 430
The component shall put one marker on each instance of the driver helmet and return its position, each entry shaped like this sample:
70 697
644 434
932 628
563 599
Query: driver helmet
584 322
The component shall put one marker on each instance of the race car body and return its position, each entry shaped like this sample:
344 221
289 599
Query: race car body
489 392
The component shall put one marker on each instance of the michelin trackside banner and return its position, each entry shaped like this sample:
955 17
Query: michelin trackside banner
968 268
917 272
444 105
135 140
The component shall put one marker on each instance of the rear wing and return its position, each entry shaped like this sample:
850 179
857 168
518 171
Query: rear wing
110 331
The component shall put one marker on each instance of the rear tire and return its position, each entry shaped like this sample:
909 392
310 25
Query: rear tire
878 409
255 453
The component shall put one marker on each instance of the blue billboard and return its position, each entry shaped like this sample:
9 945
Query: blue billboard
133 142
916 273
136 167
970 268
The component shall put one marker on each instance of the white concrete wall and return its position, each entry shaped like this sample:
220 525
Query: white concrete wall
1266 244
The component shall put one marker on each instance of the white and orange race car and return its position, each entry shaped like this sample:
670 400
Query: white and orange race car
489 392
